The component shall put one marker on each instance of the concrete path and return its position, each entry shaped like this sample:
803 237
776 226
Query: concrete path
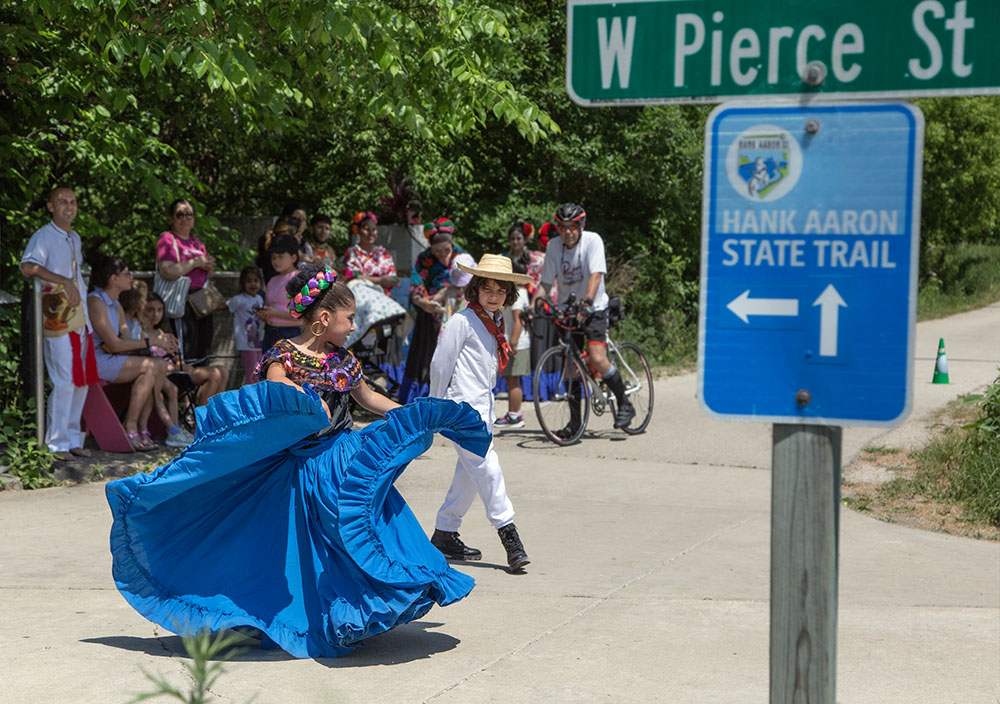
649 581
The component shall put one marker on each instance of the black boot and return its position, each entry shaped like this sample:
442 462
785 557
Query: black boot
626 411
517 558
452 547
574 412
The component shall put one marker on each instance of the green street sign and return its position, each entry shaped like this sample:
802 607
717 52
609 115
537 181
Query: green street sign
637 52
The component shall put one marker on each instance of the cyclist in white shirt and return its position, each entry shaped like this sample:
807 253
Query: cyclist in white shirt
576 259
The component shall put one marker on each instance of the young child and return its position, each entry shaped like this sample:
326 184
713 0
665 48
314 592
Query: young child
132 301
209 380
519 365
323 253
284 253
464 368
317 355
248 329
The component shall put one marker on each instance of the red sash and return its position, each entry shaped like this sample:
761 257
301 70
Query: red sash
83 376
503 347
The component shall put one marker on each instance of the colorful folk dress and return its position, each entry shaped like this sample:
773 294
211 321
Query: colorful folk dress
277 518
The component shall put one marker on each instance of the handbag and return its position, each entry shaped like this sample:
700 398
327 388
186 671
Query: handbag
206 300
59 317
173 291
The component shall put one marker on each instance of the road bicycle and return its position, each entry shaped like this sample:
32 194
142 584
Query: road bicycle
562 366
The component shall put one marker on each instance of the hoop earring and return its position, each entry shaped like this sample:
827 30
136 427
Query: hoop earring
312 328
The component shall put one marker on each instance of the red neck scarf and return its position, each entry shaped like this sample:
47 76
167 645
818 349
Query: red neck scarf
503 347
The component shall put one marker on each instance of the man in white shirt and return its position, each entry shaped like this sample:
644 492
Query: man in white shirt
54 255
576 258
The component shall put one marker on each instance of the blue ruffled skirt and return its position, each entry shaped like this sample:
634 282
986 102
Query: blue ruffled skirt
260 524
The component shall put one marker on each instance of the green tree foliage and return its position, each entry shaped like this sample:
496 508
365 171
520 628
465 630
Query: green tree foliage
961 185
104 95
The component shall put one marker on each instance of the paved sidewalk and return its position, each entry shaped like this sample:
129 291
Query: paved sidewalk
649 581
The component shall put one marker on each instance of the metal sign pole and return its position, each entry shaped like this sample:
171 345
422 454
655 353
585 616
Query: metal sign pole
39 364
805 527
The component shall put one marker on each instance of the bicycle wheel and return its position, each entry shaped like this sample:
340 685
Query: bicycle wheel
556 375
638 380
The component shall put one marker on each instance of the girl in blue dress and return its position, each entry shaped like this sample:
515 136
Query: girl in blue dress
280 517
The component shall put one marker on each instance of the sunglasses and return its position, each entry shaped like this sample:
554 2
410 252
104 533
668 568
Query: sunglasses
184 215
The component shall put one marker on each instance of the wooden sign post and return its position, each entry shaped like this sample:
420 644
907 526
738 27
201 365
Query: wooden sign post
805 527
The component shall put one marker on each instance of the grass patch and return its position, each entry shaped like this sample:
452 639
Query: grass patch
963 278
880 450
951 485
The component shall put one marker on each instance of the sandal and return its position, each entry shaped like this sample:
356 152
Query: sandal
137 442
148 441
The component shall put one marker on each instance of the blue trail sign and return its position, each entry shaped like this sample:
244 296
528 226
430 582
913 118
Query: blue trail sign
810 233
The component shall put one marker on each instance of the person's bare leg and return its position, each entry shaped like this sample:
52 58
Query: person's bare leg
515 395
142 388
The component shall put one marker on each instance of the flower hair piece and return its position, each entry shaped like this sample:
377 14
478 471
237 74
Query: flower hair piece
442 225
298 303
358 217
528 229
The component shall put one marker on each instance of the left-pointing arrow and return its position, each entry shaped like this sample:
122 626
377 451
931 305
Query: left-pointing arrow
743 306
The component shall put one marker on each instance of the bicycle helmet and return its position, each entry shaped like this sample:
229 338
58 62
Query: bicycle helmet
571 213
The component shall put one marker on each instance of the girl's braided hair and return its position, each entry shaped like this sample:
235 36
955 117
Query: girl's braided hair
315 288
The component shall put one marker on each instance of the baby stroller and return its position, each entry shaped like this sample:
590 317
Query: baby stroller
376 318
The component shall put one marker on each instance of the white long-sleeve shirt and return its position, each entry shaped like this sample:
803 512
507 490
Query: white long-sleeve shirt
464 366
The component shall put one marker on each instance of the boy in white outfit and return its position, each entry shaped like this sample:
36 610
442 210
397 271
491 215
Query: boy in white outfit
470 354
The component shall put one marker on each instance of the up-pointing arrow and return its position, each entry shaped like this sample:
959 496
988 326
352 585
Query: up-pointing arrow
743 306
829 303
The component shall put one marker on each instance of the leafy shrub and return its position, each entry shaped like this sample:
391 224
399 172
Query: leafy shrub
976 482
19 448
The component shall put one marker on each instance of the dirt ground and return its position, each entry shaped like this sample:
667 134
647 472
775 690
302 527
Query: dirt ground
875 483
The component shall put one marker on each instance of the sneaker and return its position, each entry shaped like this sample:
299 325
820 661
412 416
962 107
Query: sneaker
188 437
177 439
510 420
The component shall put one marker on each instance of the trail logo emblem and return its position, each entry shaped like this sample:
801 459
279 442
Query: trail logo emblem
764 163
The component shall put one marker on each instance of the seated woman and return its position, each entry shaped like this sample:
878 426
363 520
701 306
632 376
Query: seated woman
148 374
209 380
366 260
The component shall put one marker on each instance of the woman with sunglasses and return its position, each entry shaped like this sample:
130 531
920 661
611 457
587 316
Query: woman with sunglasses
180 253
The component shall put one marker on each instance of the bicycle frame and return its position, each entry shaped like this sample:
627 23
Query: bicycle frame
595 391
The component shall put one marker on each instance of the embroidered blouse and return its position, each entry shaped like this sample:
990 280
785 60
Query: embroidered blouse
332 377
378 262
429 275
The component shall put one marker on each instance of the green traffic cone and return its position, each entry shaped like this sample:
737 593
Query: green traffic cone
941 366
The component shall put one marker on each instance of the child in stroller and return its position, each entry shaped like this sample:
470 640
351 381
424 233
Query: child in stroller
376 319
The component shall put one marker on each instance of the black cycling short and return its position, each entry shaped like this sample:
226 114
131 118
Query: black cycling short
595 328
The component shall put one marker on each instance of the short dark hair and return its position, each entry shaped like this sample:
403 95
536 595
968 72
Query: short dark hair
472 289
172 208
335 297
250 271
320 217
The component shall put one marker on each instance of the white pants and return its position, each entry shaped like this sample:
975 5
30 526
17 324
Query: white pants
65 405
476 475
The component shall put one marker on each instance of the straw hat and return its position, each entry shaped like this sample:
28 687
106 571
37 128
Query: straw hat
495 266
